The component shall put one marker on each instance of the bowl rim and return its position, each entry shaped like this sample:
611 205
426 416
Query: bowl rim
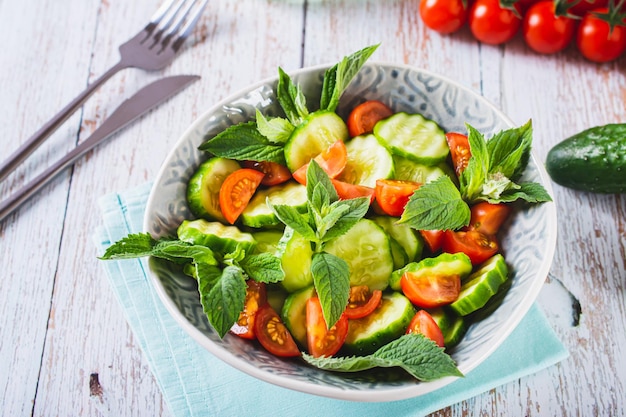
380 394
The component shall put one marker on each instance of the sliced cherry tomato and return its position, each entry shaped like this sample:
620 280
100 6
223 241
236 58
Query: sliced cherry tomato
237 190
256 296
492 24
272 333
459 151
275 173
333 160
430 291
393 195
347 191
362 302
443 16
544 32
364 116
487 217
476 245
433 239
595 39
321 340
423 323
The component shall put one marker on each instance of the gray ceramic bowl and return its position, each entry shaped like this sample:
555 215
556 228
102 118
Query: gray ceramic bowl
528 243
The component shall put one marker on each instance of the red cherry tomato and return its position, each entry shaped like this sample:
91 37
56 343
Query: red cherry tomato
274 173
347 191
423 323
333 160
493 24
443 16
477 246
362 302
256 296
544 32
583 6
487 217
272 333
430 291
433 239
393 195
321 340
237 190
596 42
364 116
459 151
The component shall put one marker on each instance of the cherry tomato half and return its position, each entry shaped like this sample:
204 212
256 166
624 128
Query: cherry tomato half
333 160
321 340
492 24
275 173
597 42
347 191
362 302
459 151
237 190
544 32
487 217
364 116
256 296
430 291
433 239
477 246
423 323
272 333
443 16
393 195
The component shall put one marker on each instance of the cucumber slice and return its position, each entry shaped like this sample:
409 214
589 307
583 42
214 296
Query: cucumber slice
481 285
295 255
220 238
366 249
451 324
367 162
203 189
411 242
414 137
442 265
276 296
400 258
267 241
386 323
318 131
408 170
294 314
259 214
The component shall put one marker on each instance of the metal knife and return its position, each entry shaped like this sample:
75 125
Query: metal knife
134 107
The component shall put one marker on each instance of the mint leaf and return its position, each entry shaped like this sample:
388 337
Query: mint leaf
338 77
263 267
415 353
436 205
475 174
291 217
276 130
224 300
331 277
509 151
352 211
317 177
528 191
291 99
244 142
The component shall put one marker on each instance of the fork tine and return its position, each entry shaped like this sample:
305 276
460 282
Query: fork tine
157 17
188 22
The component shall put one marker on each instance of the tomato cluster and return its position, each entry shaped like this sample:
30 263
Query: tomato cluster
547 26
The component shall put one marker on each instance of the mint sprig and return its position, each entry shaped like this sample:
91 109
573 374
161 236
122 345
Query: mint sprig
416 354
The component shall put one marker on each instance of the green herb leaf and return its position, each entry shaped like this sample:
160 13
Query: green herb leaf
338 77
291 217
291 98
436 205
415 353
224 300
473 177
316 177
263 267
352 211
509 151
527 191
276 130
331 277
244 142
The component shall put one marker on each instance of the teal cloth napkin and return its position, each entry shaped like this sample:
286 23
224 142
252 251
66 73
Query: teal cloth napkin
195 383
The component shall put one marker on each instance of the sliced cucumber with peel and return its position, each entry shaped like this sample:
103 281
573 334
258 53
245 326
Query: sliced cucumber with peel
409 170
318 131
453 327
216 236
414 137
259 214
411 242
444 264
294 313
367 162
295 255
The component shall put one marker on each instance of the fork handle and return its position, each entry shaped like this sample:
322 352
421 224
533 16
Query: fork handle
46 130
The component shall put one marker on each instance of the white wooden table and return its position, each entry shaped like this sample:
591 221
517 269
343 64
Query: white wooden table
60 324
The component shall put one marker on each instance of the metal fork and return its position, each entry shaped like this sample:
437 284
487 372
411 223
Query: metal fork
153 48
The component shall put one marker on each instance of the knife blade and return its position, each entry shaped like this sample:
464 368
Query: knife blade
131 109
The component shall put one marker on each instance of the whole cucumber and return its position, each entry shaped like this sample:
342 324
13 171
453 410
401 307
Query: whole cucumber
593 160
